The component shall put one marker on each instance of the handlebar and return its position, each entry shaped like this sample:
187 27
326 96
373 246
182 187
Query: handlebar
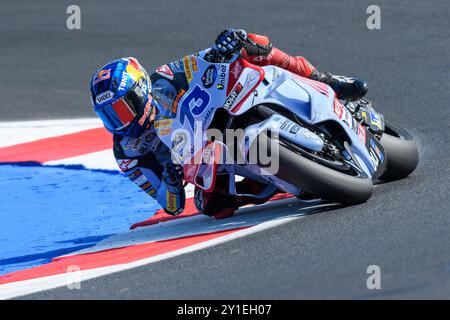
215 56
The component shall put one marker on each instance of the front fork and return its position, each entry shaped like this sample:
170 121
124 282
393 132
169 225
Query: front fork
278 126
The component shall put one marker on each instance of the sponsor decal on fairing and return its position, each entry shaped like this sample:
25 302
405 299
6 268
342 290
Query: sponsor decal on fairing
209 77
232 97
165 71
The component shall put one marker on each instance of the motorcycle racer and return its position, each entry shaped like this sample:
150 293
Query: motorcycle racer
127 100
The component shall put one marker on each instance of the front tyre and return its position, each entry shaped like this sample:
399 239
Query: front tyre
401 152
323 181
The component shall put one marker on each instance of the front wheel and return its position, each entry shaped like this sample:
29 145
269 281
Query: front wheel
401 152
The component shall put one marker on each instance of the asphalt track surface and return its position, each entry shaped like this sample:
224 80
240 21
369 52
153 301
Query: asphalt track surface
404 228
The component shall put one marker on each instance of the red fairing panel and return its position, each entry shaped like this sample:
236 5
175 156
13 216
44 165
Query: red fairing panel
236 78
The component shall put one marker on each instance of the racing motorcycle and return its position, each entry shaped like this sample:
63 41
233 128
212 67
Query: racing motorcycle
330 148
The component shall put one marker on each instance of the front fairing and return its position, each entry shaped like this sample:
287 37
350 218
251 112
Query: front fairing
210 86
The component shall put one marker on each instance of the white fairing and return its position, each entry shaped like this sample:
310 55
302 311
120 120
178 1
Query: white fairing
237 87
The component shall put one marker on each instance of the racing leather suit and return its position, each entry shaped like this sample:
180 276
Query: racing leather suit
144 158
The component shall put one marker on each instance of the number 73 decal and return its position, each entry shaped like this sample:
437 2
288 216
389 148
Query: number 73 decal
194 104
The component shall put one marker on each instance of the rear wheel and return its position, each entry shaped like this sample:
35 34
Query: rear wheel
401 152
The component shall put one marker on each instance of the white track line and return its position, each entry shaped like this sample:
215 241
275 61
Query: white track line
96 160
21 288
52 123
17 132
198 224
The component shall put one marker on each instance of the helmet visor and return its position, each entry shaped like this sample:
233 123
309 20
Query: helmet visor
119 114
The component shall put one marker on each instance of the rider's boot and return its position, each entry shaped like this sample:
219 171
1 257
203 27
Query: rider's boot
346 88
215 204
248 186
220 204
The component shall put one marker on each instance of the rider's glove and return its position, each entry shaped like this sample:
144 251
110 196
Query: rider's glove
229 41
173 177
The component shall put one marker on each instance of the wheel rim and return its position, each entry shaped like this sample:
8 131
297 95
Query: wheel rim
343 167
